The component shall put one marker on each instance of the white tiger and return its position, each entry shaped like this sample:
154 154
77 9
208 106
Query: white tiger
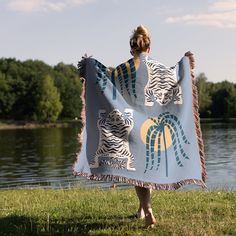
162 85
114 130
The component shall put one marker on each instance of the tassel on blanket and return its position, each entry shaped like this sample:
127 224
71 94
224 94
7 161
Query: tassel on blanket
82 72
196 116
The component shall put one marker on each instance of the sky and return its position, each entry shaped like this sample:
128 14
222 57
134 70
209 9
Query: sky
64 30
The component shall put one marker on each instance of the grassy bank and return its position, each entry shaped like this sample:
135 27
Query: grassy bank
98 212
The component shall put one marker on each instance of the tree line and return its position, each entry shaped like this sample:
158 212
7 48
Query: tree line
216 100
34 91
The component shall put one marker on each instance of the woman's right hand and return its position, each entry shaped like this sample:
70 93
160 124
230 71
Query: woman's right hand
189 54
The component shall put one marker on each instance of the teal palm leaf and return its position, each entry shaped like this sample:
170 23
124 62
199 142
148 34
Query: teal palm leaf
154 133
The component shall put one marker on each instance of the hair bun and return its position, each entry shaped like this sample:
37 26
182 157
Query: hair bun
141 30
140 40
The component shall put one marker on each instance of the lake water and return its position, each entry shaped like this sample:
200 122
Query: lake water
43 157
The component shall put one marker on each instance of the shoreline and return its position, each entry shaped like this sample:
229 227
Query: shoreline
10 124
217 120
5 125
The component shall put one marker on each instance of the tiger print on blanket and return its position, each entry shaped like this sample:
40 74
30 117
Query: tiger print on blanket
113 149
162 85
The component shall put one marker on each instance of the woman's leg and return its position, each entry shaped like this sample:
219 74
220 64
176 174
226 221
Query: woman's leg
140 213
144 196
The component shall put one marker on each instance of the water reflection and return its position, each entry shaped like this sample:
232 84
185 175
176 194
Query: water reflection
37 155
44 157
220 144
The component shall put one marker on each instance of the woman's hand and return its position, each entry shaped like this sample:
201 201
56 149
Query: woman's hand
81 66
189 54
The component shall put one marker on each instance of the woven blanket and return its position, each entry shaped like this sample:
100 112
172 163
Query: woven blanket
141 124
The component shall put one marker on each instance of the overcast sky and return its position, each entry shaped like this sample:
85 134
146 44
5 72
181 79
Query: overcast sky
63 30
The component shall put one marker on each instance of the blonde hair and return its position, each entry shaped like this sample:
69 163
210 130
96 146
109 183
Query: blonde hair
139 40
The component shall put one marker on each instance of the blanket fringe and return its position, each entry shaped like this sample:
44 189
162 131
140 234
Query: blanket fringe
197 119
83 113
82 70
172 186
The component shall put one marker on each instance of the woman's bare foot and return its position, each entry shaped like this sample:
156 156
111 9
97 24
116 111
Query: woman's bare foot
150 220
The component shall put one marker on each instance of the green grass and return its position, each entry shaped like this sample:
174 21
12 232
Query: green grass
110 212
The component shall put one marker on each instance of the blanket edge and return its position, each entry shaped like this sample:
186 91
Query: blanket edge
140 183
81 67
197 121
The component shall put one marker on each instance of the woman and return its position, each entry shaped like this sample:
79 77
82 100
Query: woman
140 43
143 127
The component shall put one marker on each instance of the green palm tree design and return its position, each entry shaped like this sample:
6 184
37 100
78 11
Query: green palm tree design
155 131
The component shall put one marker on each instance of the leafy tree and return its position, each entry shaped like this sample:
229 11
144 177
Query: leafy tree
20 88
49 106
204 97
232 103
222 100
69 85
7 98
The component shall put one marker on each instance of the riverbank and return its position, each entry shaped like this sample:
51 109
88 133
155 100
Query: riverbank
111 212
32 125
